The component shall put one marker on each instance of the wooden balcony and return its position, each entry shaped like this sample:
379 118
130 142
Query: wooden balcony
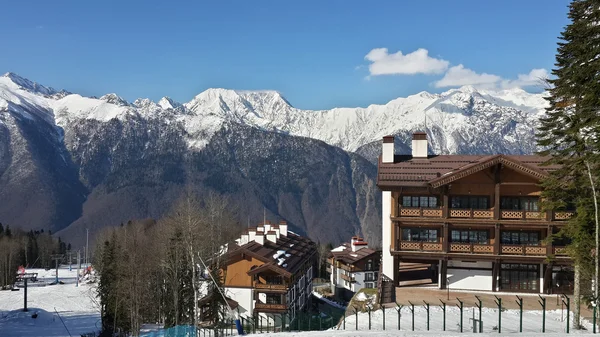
522 215
259 306
471 248
561 216
270 287
523 250
347 278
560 251
471 213
420 246
420 212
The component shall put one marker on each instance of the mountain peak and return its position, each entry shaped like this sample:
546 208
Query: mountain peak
114 99
28 85
168 103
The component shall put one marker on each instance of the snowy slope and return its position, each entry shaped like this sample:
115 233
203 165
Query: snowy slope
450 117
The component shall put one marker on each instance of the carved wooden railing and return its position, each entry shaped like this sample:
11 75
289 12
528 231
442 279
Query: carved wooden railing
521 214
347 278
472 248
523 250
268 286
267 306
562 215
420 212
472 213
560 251
420 246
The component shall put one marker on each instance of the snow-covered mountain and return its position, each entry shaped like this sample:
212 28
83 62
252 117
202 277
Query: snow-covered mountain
107 159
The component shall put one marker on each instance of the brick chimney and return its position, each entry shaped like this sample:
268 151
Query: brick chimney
419 145
387 151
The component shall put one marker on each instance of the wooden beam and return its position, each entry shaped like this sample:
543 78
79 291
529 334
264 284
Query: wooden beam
497 191
497 239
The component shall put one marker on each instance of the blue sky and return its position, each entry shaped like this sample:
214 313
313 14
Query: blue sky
319 54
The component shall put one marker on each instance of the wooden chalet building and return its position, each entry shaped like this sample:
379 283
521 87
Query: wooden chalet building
475 219
269 272
353 266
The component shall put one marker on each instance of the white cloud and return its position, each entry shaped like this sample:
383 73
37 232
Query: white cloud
459 75
417 62
536 77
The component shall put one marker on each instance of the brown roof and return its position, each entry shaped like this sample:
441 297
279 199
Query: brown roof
439 170
300 248
349 257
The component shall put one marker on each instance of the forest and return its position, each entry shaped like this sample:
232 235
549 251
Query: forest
33 249
153 271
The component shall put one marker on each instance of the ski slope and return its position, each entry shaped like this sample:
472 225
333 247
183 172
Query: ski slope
77 306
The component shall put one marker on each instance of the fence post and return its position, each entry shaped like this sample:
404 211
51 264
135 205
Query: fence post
443 306
520 304
398 309
594 315
461 313
383 308
499 304
479 307
427 308
568 304
344 320
412 310
369 311
356 316
309 321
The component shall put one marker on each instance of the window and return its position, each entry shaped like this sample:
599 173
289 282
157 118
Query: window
469 236
419 234
519 277
369 277
520 203
369 285
420 201
469 201
369 265
273 299
520 238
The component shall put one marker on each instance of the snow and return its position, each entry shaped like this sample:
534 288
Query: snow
457 115
361 297
328 301
77 306
339 249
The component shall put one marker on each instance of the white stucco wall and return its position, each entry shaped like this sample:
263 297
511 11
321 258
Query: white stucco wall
386 234
471 279
244 298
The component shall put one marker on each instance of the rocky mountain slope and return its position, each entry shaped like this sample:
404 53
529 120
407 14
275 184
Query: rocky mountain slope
69 162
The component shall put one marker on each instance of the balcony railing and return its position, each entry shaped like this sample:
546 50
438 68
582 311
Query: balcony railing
267 306
268 286
347 278
420 212
560 251
523 250
420 246
471 213
562 215
522 215
472 248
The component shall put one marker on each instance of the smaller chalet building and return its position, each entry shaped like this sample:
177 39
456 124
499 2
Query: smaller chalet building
353 266
269 272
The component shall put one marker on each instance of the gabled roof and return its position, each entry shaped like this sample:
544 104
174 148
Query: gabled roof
345 254
270 266
435 171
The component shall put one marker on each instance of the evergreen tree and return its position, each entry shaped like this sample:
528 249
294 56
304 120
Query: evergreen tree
568 133
7 231
1 229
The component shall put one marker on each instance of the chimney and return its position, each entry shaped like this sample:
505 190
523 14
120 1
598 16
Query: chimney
357 243
283 228
251 234
275 228
387 151
244 239
419 145
271 236
260 239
